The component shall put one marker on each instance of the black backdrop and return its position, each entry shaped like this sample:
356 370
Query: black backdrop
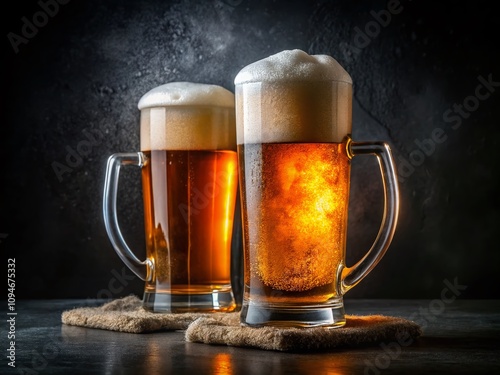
426 80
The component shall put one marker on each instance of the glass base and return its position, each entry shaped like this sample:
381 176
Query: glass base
216 301
330 315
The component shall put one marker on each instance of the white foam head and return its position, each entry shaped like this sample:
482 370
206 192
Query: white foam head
293 65
293 97
187 93
187 116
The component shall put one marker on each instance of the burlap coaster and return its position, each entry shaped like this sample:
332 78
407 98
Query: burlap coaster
128 315
358 331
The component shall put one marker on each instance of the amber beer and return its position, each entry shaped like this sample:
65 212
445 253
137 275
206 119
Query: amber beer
293 124
295 232
189 180
293 131
189 198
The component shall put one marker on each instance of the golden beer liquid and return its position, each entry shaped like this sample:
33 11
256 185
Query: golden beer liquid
189 199
296 197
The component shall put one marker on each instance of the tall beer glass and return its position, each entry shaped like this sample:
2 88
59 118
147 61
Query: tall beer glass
293 118
189 178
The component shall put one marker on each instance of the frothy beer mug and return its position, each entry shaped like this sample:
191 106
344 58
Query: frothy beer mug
293 127
189 179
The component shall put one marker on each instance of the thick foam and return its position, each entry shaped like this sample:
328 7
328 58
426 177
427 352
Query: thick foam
187 116
293 65
293 97
187 93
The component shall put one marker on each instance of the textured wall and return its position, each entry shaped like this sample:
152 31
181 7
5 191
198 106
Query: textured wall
420 75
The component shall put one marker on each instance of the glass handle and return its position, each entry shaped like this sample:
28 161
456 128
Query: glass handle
353 275
143 269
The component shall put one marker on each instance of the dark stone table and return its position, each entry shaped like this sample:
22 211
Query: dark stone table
460 336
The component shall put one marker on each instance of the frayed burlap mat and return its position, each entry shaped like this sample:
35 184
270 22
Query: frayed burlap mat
127 315
358 331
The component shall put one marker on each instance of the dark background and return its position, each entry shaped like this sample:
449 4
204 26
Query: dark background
85 70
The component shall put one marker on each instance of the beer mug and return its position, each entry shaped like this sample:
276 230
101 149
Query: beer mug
293 128
189 181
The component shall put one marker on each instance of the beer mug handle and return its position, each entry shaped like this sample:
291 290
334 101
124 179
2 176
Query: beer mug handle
143 269
353 275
